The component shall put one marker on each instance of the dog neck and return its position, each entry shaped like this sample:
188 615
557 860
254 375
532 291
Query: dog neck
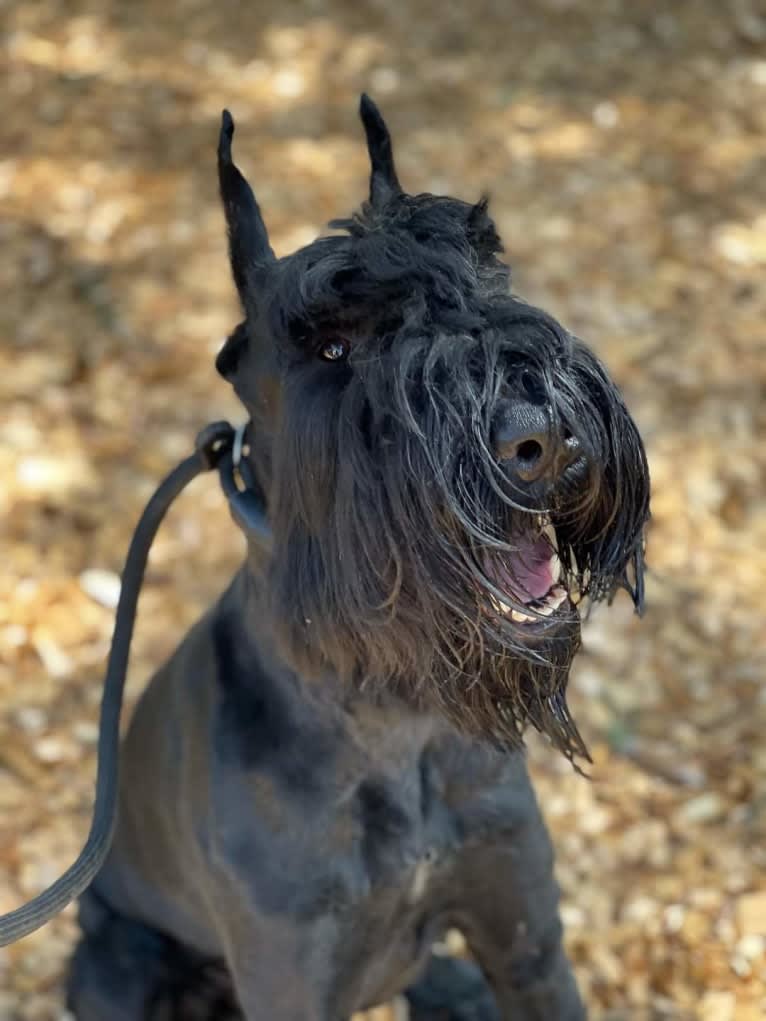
266 699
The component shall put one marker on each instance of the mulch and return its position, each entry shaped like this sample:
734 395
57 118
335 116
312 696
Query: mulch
624 147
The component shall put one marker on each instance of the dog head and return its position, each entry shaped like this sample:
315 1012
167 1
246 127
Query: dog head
448 472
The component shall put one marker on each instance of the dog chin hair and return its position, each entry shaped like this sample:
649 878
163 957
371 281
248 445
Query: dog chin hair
390 509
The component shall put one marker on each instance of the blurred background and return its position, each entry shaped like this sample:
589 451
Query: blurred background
624 146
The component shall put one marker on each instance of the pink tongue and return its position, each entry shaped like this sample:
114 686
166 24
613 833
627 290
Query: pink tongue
526 574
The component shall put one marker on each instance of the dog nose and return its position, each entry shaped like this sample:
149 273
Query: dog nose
528 445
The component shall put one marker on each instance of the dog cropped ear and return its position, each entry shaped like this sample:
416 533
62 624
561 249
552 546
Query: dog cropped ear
481 230
249 248
384 184
228 357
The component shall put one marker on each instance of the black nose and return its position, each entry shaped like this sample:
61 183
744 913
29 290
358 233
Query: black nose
529 446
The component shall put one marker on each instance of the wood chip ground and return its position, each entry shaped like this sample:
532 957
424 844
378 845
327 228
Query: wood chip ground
624 146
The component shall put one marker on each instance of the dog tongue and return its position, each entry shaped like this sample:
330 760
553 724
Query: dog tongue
526 573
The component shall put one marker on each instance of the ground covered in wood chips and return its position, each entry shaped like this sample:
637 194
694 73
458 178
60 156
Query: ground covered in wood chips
624 146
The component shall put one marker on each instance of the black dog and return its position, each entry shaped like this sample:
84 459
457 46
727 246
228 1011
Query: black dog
328 773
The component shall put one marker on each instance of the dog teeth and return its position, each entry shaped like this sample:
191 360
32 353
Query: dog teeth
545 607
556 597
554 564
550 534
508 611
555 568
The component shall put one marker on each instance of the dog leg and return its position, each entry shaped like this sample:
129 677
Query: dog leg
124 971
531 975
281 972
513 928
452 989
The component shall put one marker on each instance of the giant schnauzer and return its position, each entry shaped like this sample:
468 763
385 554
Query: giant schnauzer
329 772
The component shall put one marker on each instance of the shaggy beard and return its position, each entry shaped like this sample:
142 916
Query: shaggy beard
389 510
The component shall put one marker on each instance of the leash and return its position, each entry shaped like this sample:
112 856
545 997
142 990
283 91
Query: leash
219 446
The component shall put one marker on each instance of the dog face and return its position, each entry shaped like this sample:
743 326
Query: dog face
448 472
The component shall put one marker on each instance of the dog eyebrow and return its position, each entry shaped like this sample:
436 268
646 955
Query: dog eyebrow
306 332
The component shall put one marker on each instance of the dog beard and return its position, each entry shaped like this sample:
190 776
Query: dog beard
405 558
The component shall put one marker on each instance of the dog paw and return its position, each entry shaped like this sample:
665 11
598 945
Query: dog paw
452 989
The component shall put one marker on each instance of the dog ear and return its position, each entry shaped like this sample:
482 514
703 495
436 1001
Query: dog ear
384 184
481 230
249 247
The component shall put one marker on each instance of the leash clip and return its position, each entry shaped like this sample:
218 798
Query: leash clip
247 504
239 445
212 442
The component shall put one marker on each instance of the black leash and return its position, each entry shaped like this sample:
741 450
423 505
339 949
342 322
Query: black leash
219 446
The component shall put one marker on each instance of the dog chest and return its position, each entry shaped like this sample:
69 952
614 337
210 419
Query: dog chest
327 826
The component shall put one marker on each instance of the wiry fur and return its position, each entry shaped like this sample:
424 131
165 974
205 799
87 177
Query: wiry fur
326 774
386 496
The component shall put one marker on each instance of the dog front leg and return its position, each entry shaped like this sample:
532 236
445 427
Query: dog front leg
513 928
277 975
452 989
273 990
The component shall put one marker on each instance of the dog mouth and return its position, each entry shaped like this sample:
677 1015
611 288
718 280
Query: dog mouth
529 577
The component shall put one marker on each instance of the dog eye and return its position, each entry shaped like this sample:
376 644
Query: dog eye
333 351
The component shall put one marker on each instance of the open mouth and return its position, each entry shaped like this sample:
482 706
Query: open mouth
529 577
